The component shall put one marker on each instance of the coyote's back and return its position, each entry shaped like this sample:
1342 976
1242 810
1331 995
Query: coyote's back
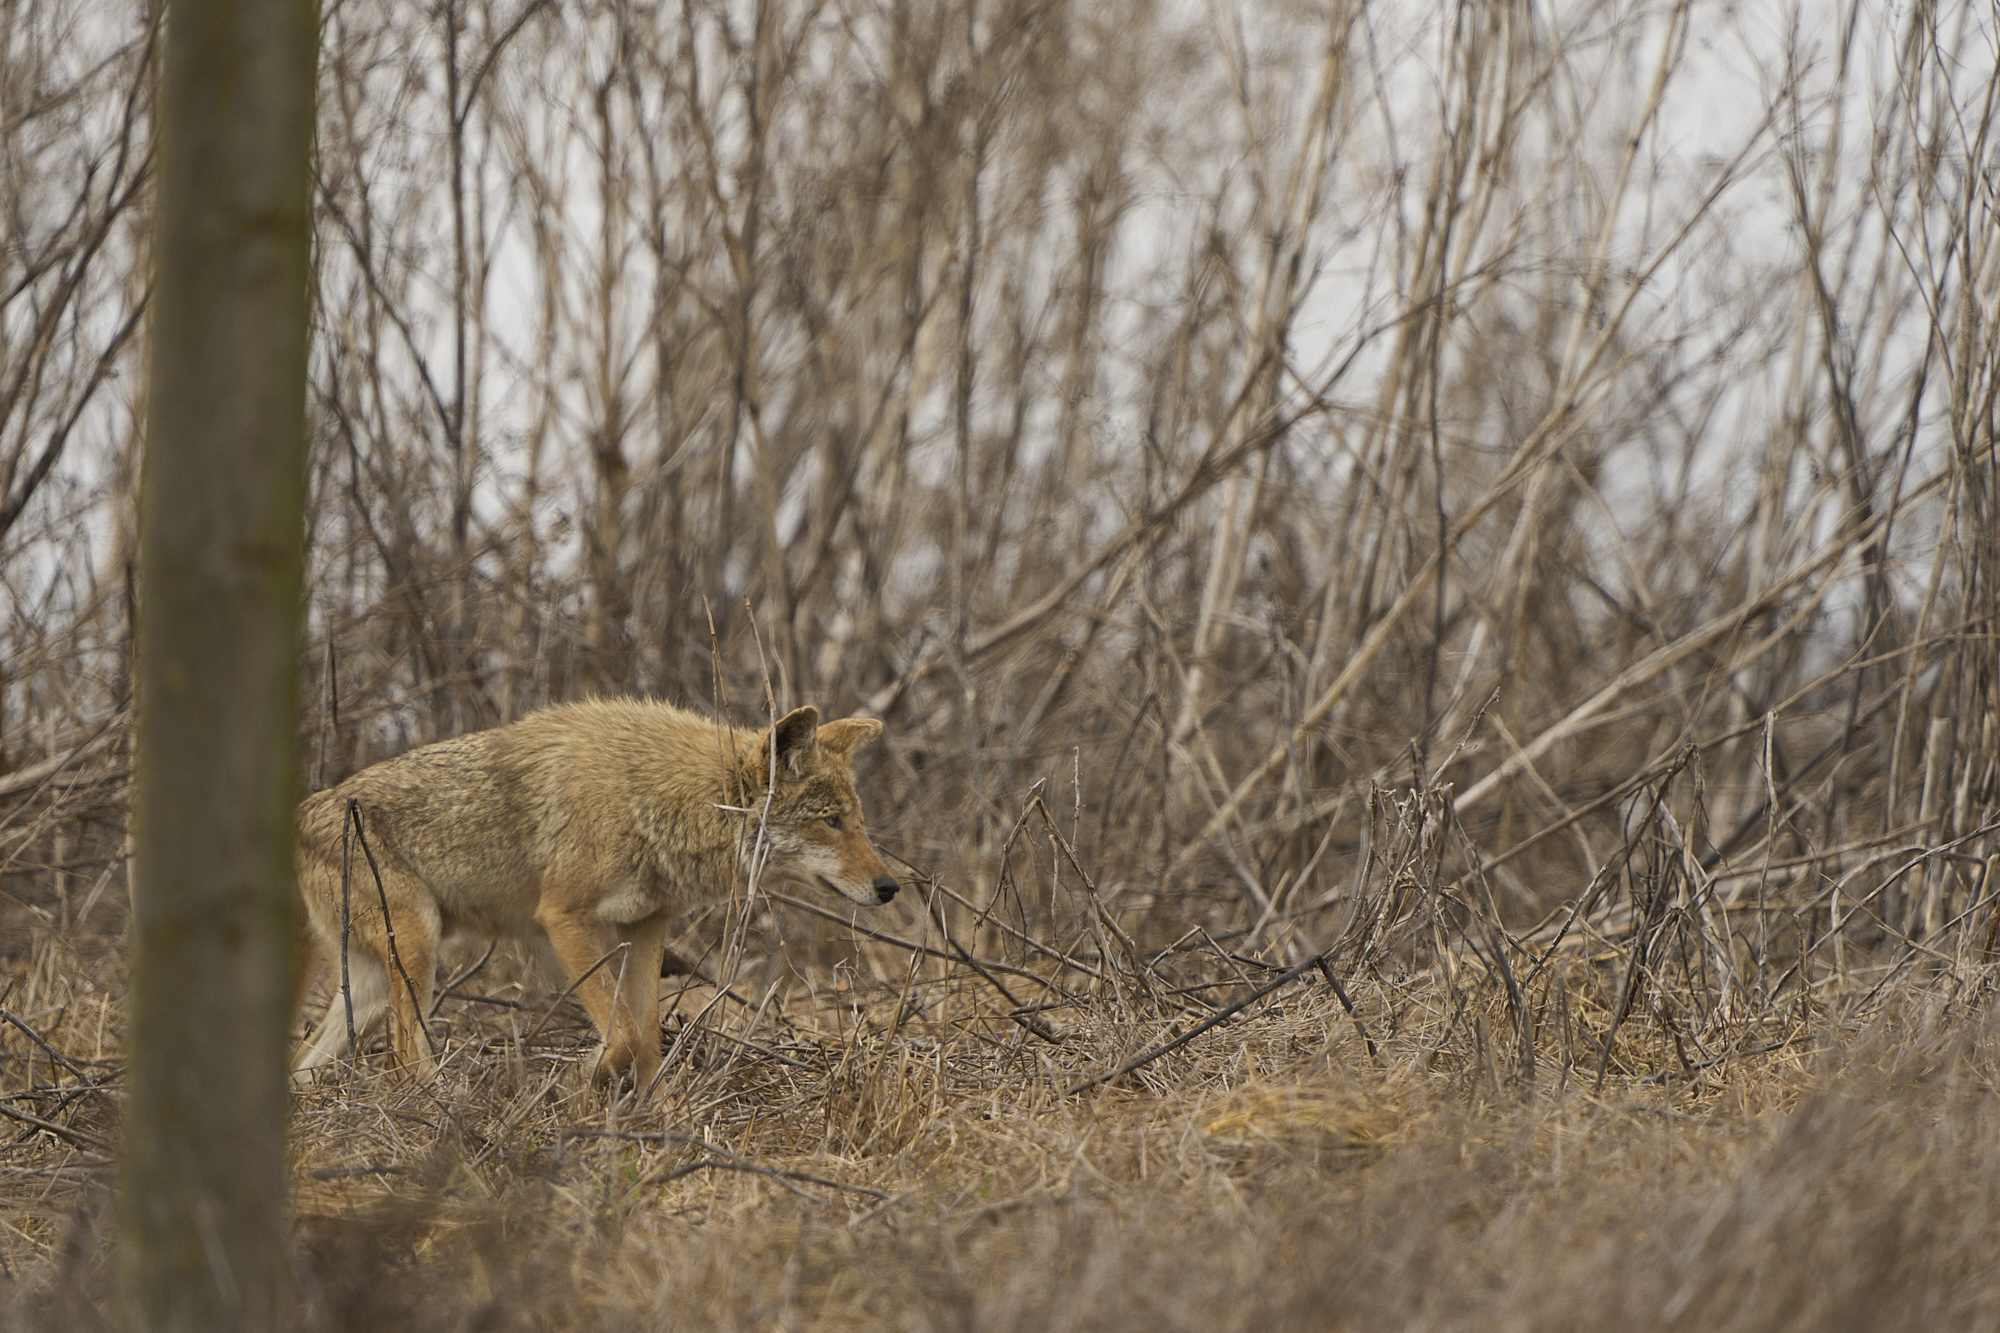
593 823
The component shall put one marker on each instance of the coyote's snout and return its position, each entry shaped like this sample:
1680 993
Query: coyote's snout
593 823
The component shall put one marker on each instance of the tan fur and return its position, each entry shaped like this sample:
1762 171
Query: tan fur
592 823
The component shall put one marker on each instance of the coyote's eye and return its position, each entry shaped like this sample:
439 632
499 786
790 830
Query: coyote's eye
834 822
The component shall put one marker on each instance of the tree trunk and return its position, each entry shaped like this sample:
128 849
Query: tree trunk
214 910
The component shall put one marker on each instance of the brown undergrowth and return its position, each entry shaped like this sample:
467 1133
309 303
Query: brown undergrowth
1220 420
860 1134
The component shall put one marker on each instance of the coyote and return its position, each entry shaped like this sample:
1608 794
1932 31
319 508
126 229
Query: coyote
594 823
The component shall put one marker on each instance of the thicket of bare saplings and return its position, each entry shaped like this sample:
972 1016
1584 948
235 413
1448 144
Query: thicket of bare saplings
1441 557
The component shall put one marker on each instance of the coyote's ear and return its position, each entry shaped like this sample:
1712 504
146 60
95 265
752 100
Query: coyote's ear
841 737
793 736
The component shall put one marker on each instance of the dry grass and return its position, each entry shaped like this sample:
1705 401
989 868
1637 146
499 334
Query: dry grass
877 1144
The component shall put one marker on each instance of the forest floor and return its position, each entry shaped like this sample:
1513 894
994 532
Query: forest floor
895 1143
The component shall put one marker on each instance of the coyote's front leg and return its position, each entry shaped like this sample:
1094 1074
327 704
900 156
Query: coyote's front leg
622 994
636 1045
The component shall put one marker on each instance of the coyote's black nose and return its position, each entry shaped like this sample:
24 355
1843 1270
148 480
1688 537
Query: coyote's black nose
885 889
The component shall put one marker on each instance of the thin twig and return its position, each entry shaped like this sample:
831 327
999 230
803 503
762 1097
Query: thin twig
463 977
389 928
1220 1016
882 937
347 919
549 1013
1340 993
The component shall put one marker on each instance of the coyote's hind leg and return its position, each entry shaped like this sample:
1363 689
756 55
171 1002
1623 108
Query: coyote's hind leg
368 987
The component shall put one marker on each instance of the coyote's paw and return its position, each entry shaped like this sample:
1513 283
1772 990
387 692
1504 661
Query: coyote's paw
621 1069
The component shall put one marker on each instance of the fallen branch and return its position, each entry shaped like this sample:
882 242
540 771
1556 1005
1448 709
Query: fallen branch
42 1042
74 1137
365 1169
724 1161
